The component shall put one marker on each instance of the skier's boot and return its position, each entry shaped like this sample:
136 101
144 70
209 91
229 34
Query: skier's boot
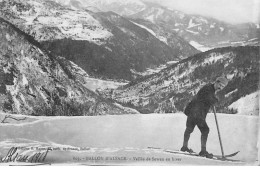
186 149
204 153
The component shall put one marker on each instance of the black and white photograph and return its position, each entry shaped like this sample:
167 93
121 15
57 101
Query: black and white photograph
129 82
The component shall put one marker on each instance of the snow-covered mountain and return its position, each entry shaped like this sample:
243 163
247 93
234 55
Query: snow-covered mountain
104 44
203 33
35 82
126 7
47 20
171 89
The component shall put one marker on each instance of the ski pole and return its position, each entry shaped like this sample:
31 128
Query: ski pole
215 114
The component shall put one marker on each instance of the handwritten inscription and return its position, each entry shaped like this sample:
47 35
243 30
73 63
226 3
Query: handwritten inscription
14 155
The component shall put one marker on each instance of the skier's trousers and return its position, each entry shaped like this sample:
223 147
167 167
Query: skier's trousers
203 127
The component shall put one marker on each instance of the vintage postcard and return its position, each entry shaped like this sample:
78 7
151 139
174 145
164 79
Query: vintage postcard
129 82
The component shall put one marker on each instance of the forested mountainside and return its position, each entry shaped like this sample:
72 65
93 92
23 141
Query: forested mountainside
104 44
35 82
172 88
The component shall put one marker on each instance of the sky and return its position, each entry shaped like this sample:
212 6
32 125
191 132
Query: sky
232 11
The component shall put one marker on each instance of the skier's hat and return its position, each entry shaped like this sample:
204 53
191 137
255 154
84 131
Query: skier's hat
222 80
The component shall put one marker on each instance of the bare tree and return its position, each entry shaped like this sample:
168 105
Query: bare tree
11 117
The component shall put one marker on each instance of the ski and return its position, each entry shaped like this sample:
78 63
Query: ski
229 155
215 157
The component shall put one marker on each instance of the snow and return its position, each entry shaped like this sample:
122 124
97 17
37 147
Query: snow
144 27
150 18
196 33
199 46
224 42
79 32
77 25
103 2
238 42
149 71
161 38
129 136
24 80
94 84
65 2
221 29
159 12
127 108
215 57
78 69
8 37
203 20
248 105
109 49
228 94
167 83
212 25
172 62
181 15
29 20
191 24
125 2
252 39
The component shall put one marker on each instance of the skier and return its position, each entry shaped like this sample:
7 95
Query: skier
196 112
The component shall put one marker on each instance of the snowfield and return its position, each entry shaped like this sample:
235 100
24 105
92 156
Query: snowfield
248 105
95 140
94 84
199 46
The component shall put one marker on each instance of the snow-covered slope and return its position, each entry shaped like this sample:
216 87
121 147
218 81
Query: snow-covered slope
247 105
169 37
130 136
200 47
169 90
207 32
126 7
48 21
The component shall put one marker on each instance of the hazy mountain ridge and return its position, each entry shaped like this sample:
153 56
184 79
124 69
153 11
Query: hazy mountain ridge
124 8
202 32
34 82
170 90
